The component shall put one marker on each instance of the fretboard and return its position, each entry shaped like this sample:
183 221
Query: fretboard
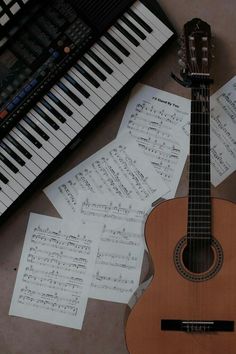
199 203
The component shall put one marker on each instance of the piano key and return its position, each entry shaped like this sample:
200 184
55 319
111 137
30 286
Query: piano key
86 75
23 170
71 121
135 55
110 78
3 178
48 148
95 70
38 160
156 43
34 126
78 87
139 20
157 25
59 103
96 94
11 152
69 93
51 109
5 199
108 90
19 147
50 121
126 60
28 162
21 180
9 191
29 136
135 29
66 129
12 182
88 110
117 74
147 47
117 44
100 61
61 137
6 162
3 207
43 154
130 38
109 51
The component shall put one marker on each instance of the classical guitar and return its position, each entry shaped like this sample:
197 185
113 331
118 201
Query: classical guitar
190 305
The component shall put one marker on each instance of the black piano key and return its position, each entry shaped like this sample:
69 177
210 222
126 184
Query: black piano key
133 27
117 44
36 128
93 68
87 75
110 51
8 163
77 86
100 62
30 137
12 154
69 93
3 178
60 104
47 119
127 34
140 21
19 147
51 109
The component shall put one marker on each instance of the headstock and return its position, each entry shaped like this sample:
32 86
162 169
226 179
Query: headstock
196 50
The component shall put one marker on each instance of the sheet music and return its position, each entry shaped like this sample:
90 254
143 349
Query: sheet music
119 169
121 247
223 132
55 271
156 118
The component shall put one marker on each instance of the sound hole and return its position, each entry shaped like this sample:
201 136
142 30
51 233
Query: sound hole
198 262
198 257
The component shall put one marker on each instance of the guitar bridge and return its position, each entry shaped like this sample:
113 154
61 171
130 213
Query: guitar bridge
197 326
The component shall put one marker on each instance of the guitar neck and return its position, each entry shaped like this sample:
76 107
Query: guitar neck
199 202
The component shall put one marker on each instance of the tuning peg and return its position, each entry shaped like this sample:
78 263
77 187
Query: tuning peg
182 63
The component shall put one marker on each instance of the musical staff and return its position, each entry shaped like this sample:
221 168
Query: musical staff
54 276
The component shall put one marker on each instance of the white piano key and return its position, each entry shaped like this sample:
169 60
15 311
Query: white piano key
109 90
135 55
5 199
69 120
3 207
127 60
38 159
117 73
110 78
52 137
28 162
17 176
13 183
60 135
23 170
9 191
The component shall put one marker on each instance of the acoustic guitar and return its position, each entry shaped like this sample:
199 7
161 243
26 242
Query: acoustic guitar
190 305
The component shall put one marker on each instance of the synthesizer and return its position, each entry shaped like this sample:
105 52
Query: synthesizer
63 63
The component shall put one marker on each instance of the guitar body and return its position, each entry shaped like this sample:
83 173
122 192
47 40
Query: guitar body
172 295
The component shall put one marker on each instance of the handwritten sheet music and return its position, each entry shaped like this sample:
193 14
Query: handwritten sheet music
55 271
156 118
223 132
121 247
119 169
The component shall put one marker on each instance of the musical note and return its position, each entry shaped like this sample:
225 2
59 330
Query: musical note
54 275
119 169
155 119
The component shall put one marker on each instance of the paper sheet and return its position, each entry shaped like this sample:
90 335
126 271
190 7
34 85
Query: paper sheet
223 132
119 169
156 118
55 271
121 247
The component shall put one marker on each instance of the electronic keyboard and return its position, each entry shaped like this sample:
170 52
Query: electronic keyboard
63 63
